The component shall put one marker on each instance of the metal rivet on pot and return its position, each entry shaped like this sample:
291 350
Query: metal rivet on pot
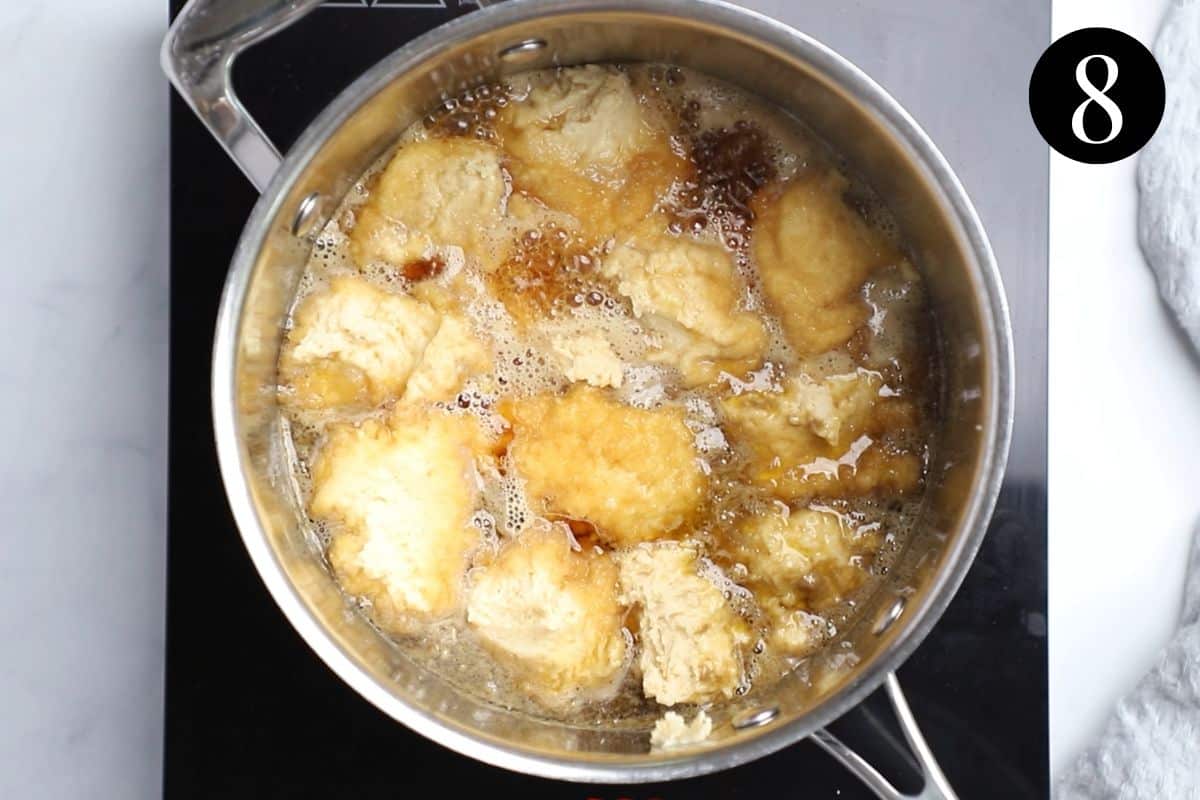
889 617
307 214
754 717
522 51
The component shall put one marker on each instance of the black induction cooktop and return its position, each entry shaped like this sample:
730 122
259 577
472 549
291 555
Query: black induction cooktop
251 712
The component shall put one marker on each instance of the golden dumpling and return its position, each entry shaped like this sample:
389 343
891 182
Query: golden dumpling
692 640
837 436
813 254
453 355
686 292
586 144
401 493
810 554
630 472
433 195
550 610
353 344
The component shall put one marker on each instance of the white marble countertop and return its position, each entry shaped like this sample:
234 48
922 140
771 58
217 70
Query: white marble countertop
83 412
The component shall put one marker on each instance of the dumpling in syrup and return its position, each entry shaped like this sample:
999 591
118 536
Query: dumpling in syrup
551 612
844 435
433 196
453 355
812 556
813 253
401 493
630 472
692 640
686 292
353 344
586 144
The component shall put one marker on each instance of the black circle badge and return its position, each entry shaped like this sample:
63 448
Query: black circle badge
1097 95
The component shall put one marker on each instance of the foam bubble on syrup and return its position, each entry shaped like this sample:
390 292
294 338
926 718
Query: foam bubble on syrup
700 409
739 597
763 379
644 386
829 467
521 366
522 371
712 439
330 254
702 420
485 523
779 349
517 514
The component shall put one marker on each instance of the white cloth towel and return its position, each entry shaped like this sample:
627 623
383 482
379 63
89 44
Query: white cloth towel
1169 170
1150 748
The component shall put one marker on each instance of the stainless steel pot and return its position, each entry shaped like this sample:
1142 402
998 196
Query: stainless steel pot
784 66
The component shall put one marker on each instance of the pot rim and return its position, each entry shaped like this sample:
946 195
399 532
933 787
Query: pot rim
998 414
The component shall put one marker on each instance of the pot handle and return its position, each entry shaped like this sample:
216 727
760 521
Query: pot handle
197 56
936 786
